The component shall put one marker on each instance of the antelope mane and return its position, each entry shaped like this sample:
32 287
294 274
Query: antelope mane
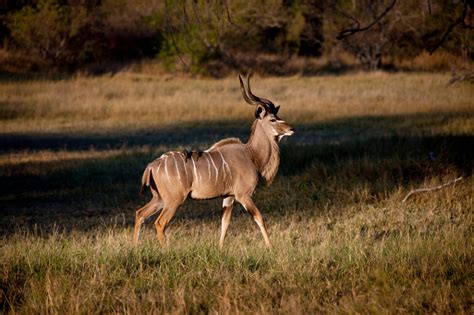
223 142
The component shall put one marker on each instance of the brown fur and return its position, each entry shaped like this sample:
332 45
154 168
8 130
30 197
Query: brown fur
229 169
224 142
267 165
270 169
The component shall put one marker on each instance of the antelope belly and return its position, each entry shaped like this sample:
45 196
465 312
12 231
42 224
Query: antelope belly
207 191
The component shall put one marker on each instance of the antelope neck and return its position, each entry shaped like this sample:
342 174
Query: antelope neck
264 151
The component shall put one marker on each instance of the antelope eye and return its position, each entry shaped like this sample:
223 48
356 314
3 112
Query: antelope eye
272 120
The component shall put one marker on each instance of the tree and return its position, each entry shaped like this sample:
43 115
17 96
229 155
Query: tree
47 28
364 27
70 33
371 29
466 11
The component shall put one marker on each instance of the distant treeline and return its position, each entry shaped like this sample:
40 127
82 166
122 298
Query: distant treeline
214 36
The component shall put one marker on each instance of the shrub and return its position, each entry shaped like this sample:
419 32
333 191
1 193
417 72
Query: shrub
67 35
206 36
49 30
439 61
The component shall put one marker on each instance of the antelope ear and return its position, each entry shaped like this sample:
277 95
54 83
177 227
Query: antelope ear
276 110
259 112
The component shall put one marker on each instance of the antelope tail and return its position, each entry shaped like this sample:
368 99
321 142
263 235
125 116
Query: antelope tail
147 180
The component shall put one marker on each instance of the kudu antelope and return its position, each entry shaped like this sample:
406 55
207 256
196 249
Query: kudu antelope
228 169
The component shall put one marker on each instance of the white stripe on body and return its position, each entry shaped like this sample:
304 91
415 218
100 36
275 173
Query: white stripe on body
215 167
158 168
166 169
198 173
176 166
194 169
208 166
224 165
184 165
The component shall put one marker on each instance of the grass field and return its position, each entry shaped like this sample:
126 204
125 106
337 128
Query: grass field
72 154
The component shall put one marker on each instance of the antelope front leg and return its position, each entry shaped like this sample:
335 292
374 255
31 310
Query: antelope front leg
250 206
227 206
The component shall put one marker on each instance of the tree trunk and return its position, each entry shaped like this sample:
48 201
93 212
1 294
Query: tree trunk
370 57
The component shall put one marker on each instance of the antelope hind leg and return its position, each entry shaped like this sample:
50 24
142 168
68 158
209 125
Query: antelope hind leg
153 206
160 224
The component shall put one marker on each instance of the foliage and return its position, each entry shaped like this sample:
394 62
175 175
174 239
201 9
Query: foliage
204 35
68 35
402 29
214 37
127 30
49 30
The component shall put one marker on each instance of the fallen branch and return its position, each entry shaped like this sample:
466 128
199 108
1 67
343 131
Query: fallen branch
468 76
421 190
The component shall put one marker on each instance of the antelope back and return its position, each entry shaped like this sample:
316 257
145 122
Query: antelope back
202 174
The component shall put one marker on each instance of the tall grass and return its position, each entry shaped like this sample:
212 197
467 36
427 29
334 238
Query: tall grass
376 258
343 242
138 102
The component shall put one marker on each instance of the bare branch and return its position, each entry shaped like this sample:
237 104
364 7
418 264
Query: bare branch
231 22
466 76
421 190
229 18
351 31
459 20
173 40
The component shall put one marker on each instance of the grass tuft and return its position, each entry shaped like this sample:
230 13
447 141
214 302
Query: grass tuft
72 155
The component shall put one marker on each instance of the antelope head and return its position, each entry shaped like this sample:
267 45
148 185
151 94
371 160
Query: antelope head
266 113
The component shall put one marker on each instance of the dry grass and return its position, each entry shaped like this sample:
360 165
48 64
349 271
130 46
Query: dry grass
72 157
439 61
138 102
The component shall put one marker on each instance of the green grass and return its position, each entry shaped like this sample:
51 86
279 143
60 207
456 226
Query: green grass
343 242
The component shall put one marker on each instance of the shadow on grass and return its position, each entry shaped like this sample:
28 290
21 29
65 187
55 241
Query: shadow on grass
382 153
189 136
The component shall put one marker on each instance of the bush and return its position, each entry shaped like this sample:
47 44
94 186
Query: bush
51 31
66 35
206 37
440 61
213 37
